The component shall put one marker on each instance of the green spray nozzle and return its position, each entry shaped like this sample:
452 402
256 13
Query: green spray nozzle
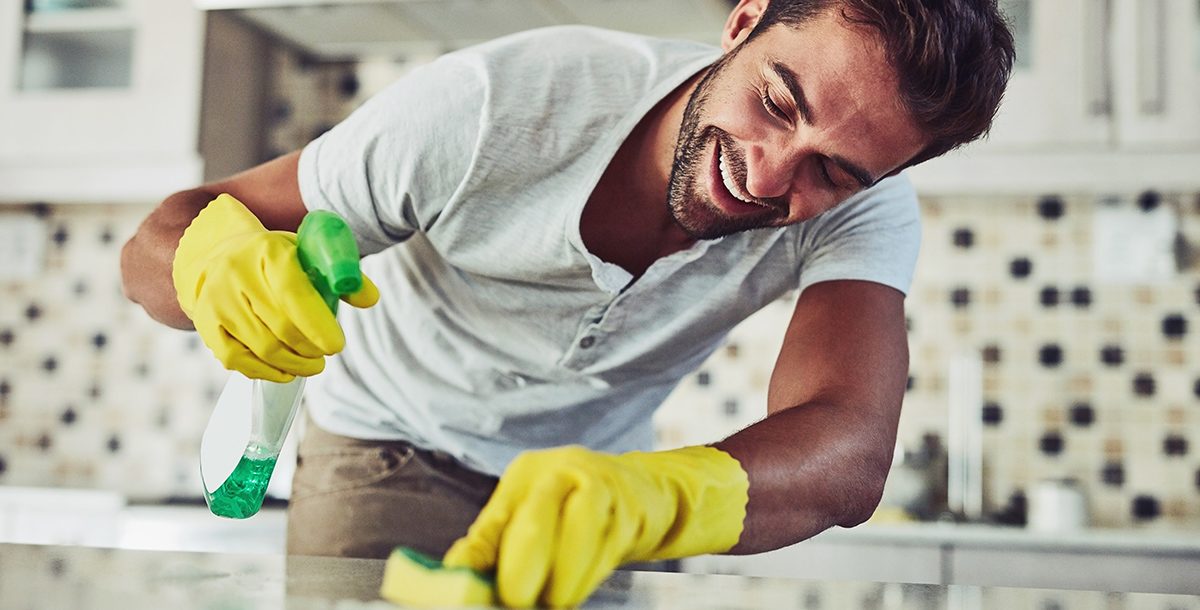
329 255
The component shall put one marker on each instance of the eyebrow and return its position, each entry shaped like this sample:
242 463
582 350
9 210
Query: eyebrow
792 83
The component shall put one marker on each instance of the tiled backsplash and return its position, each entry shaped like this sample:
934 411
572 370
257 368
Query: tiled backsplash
1081 378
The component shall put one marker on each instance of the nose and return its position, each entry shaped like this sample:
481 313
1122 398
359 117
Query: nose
770 171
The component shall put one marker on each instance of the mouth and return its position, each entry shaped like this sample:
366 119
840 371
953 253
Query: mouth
726 191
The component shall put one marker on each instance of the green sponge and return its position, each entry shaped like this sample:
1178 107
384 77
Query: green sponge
412 578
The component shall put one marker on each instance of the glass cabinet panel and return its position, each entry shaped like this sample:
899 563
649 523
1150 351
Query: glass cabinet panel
74 44
1020 19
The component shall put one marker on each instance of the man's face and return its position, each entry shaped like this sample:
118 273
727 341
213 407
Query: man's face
787 126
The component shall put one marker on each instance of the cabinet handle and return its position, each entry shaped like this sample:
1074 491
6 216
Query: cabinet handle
1152 57
1098 72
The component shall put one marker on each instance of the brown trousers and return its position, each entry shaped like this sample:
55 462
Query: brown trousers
356 498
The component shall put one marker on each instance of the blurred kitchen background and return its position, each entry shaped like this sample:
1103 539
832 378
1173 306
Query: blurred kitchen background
1053 405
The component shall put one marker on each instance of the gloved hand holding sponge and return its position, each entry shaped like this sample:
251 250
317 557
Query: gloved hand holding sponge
251 303
561 520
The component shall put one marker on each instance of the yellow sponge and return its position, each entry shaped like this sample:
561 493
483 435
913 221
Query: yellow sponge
412 578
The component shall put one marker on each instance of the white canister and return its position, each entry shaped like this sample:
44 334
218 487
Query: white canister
1057 505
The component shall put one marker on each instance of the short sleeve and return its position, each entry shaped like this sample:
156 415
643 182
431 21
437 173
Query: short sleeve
874 236
391 166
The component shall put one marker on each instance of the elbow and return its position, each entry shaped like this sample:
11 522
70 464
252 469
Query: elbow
865 493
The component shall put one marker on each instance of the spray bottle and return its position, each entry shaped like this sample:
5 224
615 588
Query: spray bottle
329 256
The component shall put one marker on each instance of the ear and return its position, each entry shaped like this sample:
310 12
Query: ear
741 21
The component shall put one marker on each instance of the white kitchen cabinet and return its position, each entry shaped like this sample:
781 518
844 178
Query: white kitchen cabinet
99 99
1104 98
1159 65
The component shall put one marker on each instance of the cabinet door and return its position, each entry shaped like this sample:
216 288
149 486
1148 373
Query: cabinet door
82 80
1058 95
1158 69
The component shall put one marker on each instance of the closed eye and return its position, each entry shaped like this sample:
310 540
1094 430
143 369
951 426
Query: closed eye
772 107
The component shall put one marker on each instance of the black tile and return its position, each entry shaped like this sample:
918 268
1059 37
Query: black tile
80 288
33 312
1081 296
1048 297
106 235
6 337
1113 474
5 389
1197 473
1175 445
1051 207
1174 326
993 414
1082 414
1196 388
1145 508
1144 385
95 391
1020 267
964 237
908 323
58 567
40 209
50 364
113 444
960 297
730 407
703 378
992 354
99 340
60 236
1051 443
69 416
1050 355
4 465
912 383
281 111
348 84
44 442
1148 201
1113 355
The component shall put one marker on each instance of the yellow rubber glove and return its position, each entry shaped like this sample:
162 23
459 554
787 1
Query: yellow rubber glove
561 520
252 304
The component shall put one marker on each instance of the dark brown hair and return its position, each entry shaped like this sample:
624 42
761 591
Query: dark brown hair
952 58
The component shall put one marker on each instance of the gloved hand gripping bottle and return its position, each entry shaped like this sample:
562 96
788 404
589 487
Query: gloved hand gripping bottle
329 256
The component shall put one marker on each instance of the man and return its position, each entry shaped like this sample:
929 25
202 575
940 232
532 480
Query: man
562 224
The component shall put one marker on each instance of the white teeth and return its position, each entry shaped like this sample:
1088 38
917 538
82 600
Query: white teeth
730 184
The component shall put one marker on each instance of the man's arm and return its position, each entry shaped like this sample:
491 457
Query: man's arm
821 456
271 191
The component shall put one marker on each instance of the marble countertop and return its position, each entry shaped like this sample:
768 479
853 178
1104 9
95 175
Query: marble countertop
81 578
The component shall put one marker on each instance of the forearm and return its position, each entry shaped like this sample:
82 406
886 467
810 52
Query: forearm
810 467
147 257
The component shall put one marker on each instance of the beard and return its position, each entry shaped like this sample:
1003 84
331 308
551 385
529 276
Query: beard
690 204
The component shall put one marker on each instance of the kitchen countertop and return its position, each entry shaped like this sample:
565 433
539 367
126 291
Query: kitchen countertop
34 577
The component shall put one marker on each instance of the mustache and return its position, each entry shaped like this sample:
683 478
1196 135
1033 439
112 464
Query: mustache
736 162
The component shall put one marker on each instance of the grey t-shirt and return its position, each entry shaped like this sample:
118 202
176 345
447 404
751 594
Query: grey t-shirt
497 330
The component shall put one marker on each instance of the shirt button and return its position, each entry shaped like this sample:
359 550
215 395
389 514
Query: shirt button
587 342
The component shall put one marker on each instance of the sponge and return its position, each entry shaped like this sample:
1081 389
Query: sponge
412 578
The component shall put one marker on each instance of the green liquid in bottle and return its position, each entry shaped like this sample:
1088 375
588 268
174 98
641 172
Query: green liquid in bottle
241 495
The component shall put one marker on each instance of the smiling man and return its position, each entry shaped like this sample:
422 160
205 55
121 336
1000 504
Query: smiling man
562 224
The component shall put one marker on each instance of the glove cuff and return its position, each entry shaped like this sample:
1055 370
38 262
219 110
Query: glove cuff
222 218
711 491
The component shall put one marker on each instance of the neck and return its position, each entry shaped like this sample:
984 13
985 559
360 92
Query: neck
626 220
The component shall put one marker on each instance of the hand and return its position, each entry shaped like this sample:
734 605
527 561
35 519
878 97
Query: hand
250 301
561 520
